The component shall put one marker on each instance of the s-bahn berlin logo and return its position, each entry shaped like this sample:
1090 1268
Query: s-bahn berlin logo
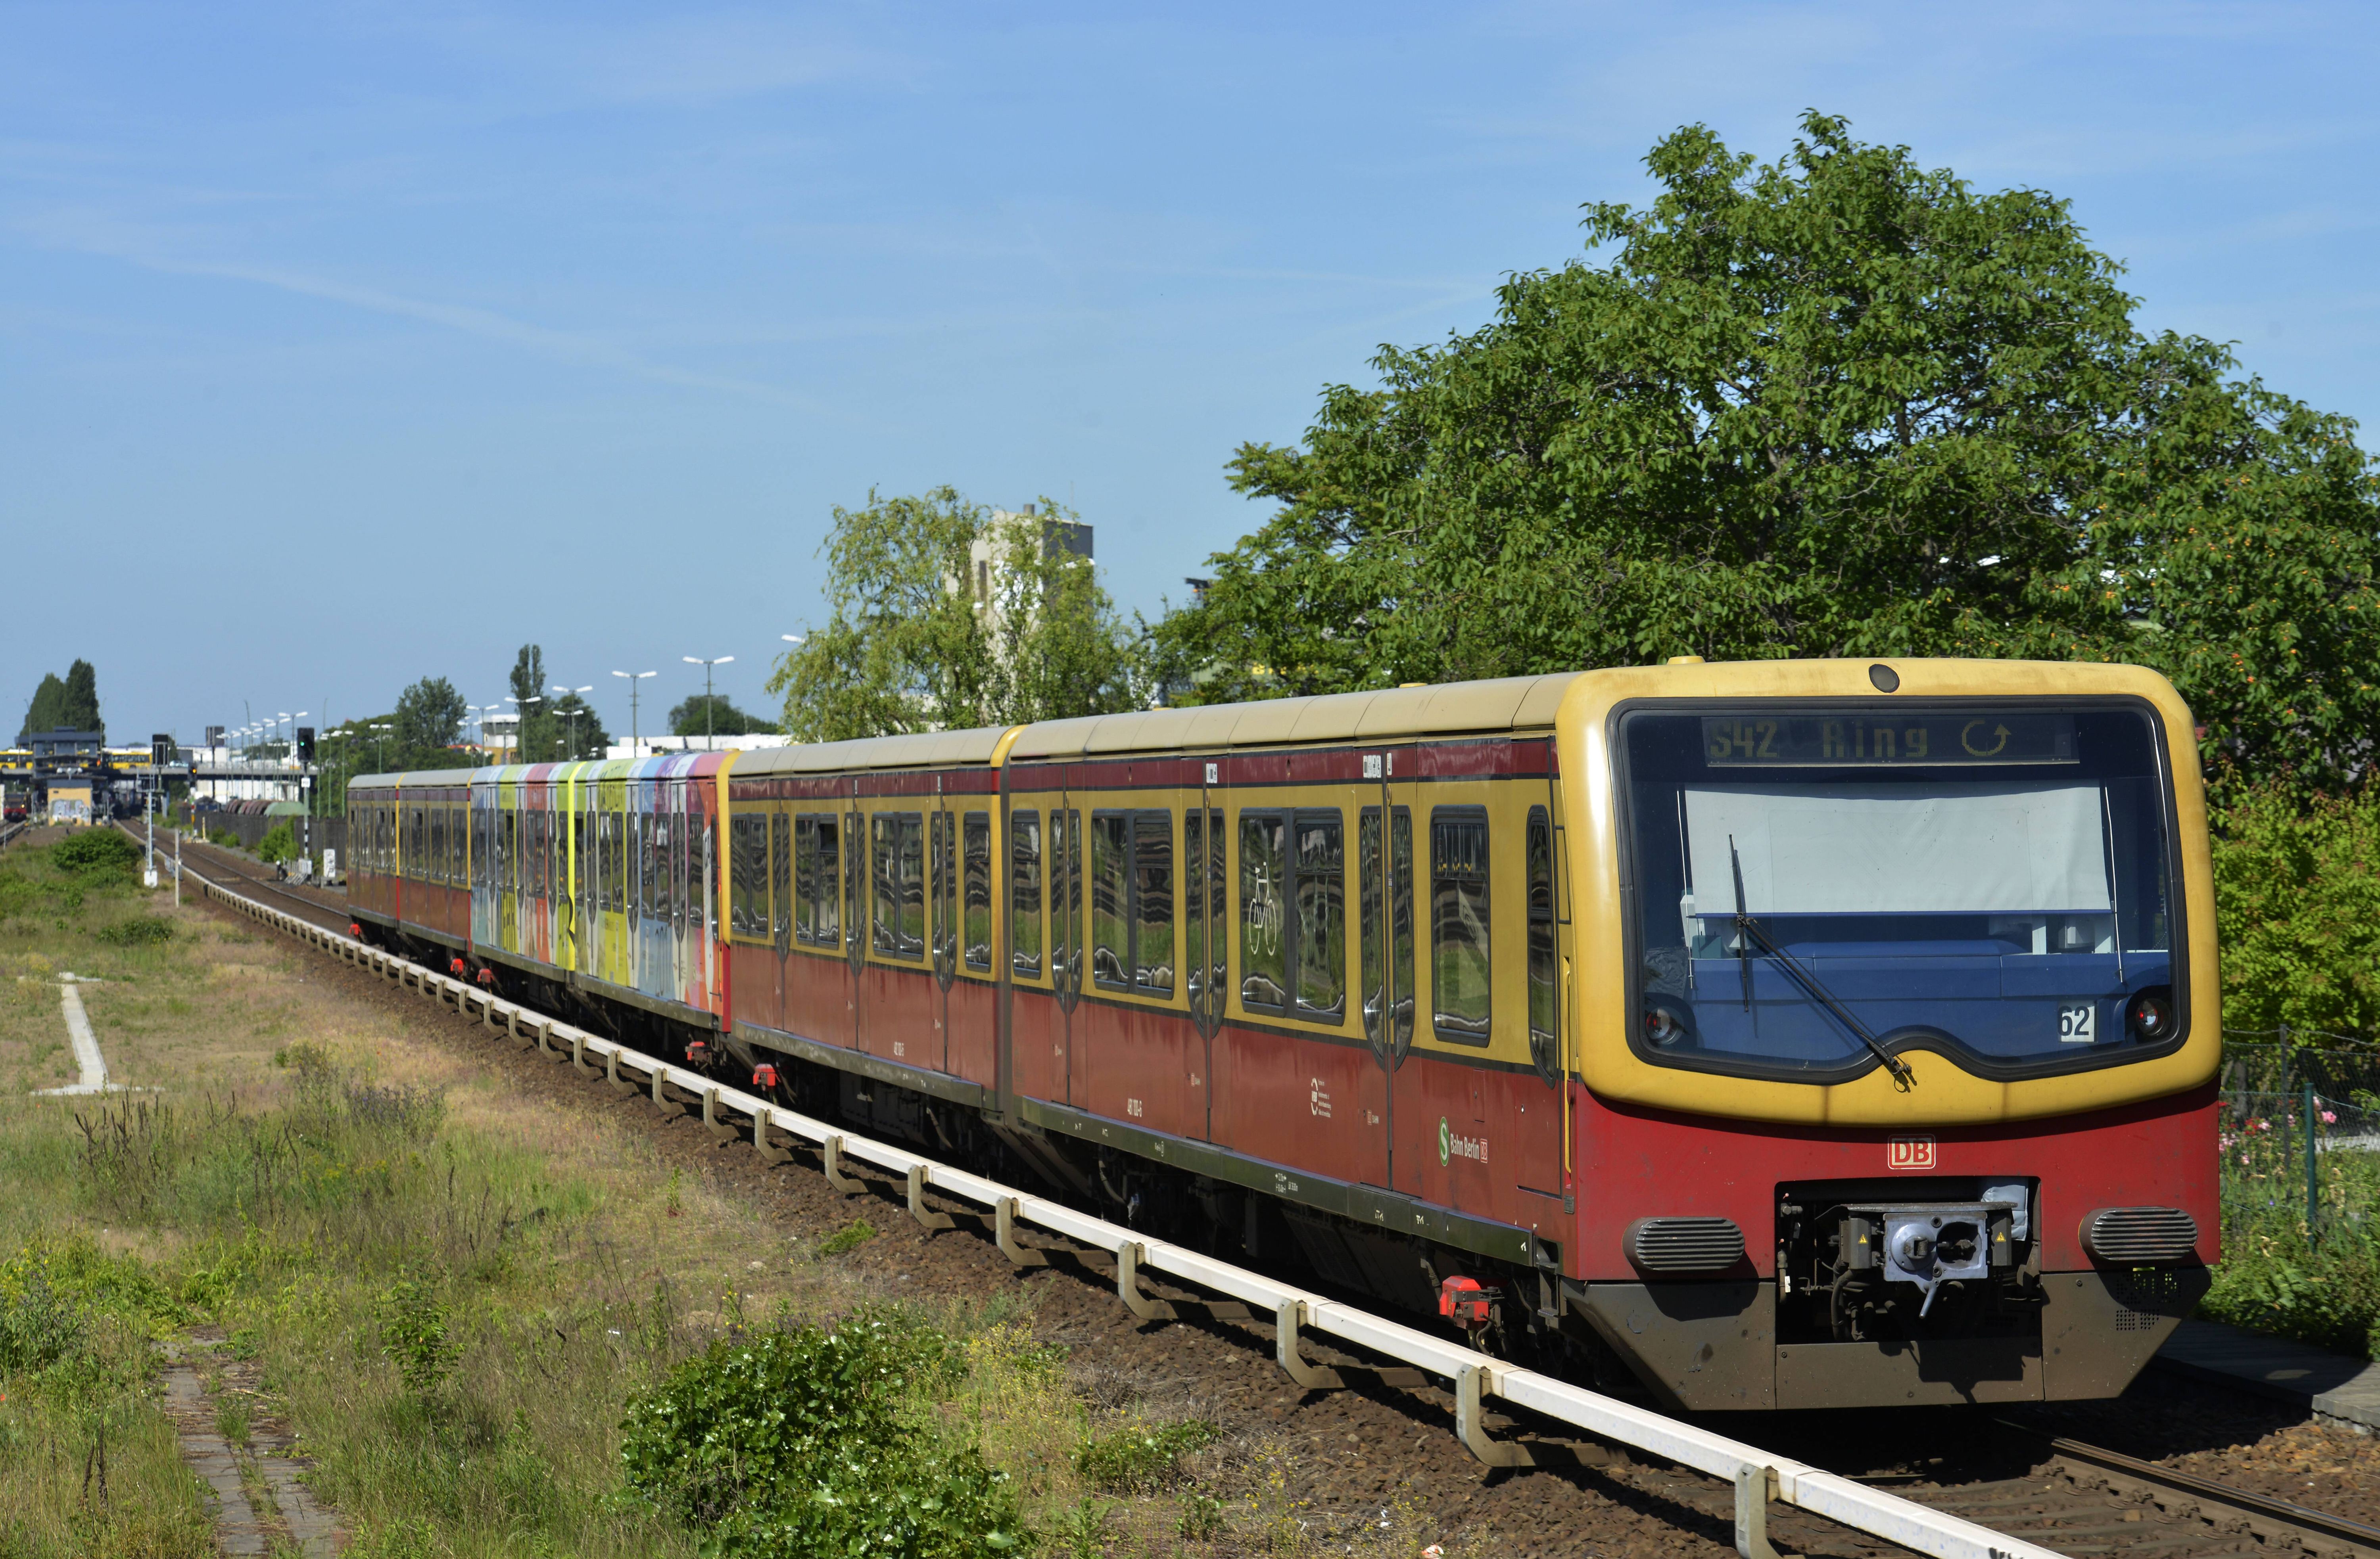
1908 1153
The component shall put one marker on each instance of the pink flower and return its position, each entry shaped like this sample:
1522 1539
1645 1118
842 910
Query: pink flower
2328 1118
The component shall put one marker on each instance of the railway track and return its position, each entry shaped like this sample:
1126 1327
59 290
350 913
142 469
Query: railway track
2069 1497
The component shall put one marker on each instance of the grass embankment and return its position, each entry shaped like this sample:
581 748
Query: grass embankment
493 1329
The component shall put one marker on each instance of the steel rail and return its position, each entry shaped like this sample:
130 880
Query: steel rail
2284 1514
1758 1477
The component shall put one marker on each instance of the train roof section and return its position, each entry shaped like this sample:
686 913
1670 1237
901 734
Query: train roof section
925 749
1440 710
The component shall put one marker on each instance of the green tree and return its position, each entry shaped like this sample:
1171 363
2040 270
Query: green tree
46 712
429 720
1835 405
707 713
2297 904
569 729
81 704
528 677
921 639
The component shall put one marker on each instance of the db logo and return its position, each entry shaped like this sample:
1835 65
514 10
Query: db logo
1908 1153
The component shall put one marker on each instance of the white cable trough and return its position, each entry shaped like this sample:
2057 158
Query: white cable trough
1757 1476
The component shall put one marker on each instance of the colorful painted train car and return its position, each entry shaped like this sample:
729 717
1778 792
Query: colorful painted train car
1773 1035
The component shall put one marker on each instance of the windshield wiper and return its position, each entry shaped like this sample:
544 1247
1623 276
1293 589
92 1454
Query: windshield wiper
1747 931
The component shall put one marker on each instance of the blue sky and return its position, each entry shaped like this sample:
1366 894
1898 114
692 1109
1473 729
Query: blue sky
343 345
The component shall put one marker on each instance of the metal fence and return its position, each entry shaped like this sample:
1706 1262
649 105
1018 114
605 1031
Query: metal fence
314 835
2299 1136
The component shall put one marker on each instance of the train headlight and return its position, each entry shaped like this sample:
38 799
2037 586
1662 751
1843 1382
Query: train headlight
1666 1024
2149 1015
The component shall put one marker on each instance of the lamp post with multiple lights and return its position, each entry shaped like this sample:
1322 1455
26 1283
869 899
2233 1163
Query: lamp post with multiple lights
635 741
707 706
572 714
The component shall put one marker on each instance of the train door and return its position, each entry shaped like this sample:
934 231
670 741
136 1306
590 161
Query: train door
1066 953
684 861
943 877
781 904
1385 904
1205 937
856 855
503 922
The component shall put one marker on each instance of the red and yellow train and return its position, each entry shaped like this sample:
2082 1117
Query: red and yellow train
1776 1034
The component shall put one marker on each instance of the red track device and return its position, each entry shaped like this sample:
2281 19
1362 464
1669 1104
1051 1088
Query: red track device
455 967
764 1076
1464 1301
697 1052
487 975
355 929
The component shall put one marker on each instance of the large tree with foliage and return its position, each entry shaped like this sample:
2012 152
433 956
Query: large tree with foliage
68 703
920 639
712 713
429 721
1838 404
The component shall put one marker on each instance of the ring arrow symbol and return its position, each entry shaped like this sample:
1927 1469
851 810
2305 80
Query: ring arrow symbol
1967 740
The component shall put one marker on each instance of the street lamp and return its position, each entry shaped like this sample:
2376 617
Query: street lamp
382 740
706 665
634 678
572 712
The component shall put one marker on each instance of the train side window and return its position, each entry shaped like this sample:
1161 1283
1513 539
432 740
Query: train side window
826 918
1371 919
912 885
1543 1007
1320 945
975 907
1111 944
944 870
1202 894
1459 962
1025 894
436 863
747 874
855 875
1066 894
1152 902
1400 925
899 869
1264 924
806 879
785 859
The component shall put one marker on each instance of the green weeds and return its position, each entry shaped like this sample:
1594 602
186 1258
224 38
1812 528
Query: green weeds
851 1236
1141 1458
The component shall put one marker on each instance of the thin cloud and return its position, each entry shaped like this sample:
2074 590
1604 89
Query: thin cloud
85 236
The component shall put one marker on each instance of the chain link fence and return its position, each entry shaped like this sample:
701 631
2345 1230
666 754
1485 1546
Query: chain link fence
2299 1135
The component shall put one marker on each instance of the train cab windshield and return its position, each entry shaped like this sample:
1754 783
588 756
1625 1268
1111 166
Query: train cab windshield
1815 890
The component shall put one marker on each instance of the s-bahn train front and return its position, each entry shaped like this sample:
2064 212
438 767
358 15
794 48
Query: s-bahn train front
1898 1028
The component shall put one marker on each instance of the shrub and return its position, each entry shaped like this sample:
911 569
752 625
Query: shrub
222 838
95 852
278 844
807 1439
1142 1458
52 1291
145 931
414 1334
